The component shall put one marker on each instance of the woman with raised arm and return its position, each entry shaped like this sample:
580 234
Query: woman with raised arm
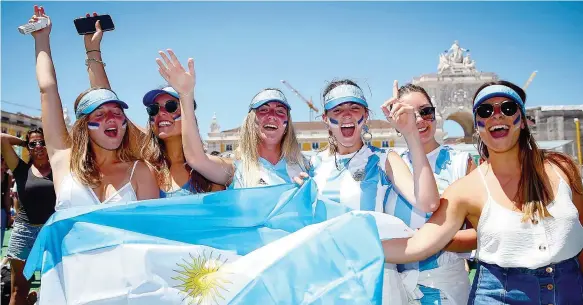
36 192
268 152
443 277
526 204
98 162
162 147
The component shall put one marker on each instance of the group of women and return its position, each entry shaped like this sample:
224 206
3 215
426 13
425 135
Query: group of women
525 204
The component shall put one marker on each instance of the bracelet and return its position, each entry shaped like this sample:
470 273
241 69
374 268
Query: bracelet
93 51
94 60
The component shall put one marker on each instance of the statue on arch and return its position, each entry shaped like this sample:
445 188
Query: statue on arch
455 53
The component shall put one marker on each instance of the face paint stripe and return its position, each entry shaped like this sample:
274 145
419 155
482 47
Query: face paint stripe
333 121
517 120
481 124
177 118
361 119
93 125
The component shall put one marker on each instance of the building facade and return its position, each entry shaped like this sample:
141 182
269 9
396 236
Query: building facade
312 136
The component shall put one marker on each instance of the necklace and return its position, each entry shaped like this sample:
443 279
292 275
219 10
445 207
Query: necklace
359 174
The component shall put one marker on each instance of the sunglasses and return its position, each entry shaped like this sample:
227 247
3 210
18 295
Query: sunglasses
508 108
34 144
427 113
170 106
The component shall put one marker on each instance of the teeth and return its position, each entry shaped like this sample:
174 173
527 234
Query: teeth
111 129
499 127
269 126
164 124
422 129
348 125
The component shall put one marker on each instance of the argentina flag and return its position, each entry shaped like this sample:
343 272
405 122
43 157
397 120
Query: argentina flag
271 245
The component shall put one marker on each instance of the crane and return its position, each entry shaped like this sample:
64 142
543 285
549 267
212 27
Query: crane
529 80
308 102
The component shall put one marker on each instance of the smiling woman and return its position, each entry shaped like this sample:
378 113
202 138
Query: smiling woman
98 161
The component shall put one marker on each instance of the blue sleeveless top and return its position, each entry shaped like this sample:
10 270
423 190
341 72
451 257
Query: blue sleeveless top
185 190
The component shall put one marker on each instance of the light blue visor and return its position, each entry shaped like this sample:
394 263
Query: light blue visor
267 96
344 94
95 98
498 91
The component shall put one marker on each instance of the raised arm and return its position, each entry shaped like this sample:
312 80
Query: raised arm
95 64
56 135
421 190
10 156
432 236
213 168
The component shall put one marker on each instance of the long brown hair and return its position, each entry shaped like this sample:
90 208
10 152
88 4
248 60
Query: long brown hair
154 152
534 189
82 164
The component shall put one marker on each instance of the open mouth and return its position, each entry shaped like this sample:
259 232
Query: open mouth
270 127
162 124
422 130
347 129
111 132
499 131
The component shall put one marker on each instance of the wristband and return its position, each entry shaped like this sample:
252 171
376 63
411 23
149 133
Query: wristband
93 51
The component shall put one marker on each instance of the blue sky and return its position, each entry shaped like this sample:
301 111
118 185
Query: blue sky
242 47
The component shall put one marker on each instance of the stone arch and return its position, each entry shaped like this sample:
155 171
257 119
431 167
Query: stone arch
466 120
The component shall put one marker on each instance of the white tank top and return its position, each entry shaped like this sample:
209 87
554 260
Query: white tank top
72 193
509 243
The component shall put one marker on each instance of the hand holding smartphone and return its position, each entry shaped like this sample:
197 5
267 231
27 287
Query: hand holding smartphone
86 25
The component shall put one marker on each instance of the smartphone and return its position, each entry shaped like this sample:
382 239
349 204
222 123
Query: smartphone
86 25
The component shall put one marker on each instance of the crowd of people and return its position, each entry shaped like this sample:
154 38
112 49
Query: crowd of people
521 209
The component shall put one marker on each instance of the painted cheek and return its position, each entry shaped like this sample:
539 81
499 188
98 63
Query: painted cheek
93 125
517 120
177 117
361 120
333 122
124 124
481 125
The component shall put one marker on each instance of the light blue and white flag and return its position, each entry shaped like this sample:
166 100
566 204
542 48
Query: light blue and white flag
246 246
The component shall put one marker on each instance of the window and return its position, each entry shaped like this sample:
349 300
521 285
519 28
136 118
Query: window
19 122
18 134
5 119
315 145
385 144
32 126
4 130
229 147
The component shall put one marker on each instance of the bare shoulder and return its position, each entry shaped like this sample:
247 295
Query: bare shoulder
142 168
468 190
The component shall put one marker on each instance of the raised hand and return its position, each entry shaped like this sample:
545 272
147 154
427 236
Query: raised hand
172 71
39 12
401 116
93 41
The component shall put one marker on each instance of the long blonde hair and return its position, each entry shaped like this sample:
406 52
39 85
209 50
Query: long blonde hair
248 152
82 164
534 189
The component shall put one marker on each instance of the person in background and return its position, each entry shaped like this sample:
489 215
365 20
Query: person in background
36 193
448 278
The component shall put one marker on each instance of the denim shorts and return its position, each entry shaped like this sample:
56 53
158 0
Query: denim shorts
556 284
22 239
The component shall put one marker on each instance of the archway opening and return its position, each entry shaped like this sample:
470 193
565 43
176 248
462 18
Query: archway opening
460 125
